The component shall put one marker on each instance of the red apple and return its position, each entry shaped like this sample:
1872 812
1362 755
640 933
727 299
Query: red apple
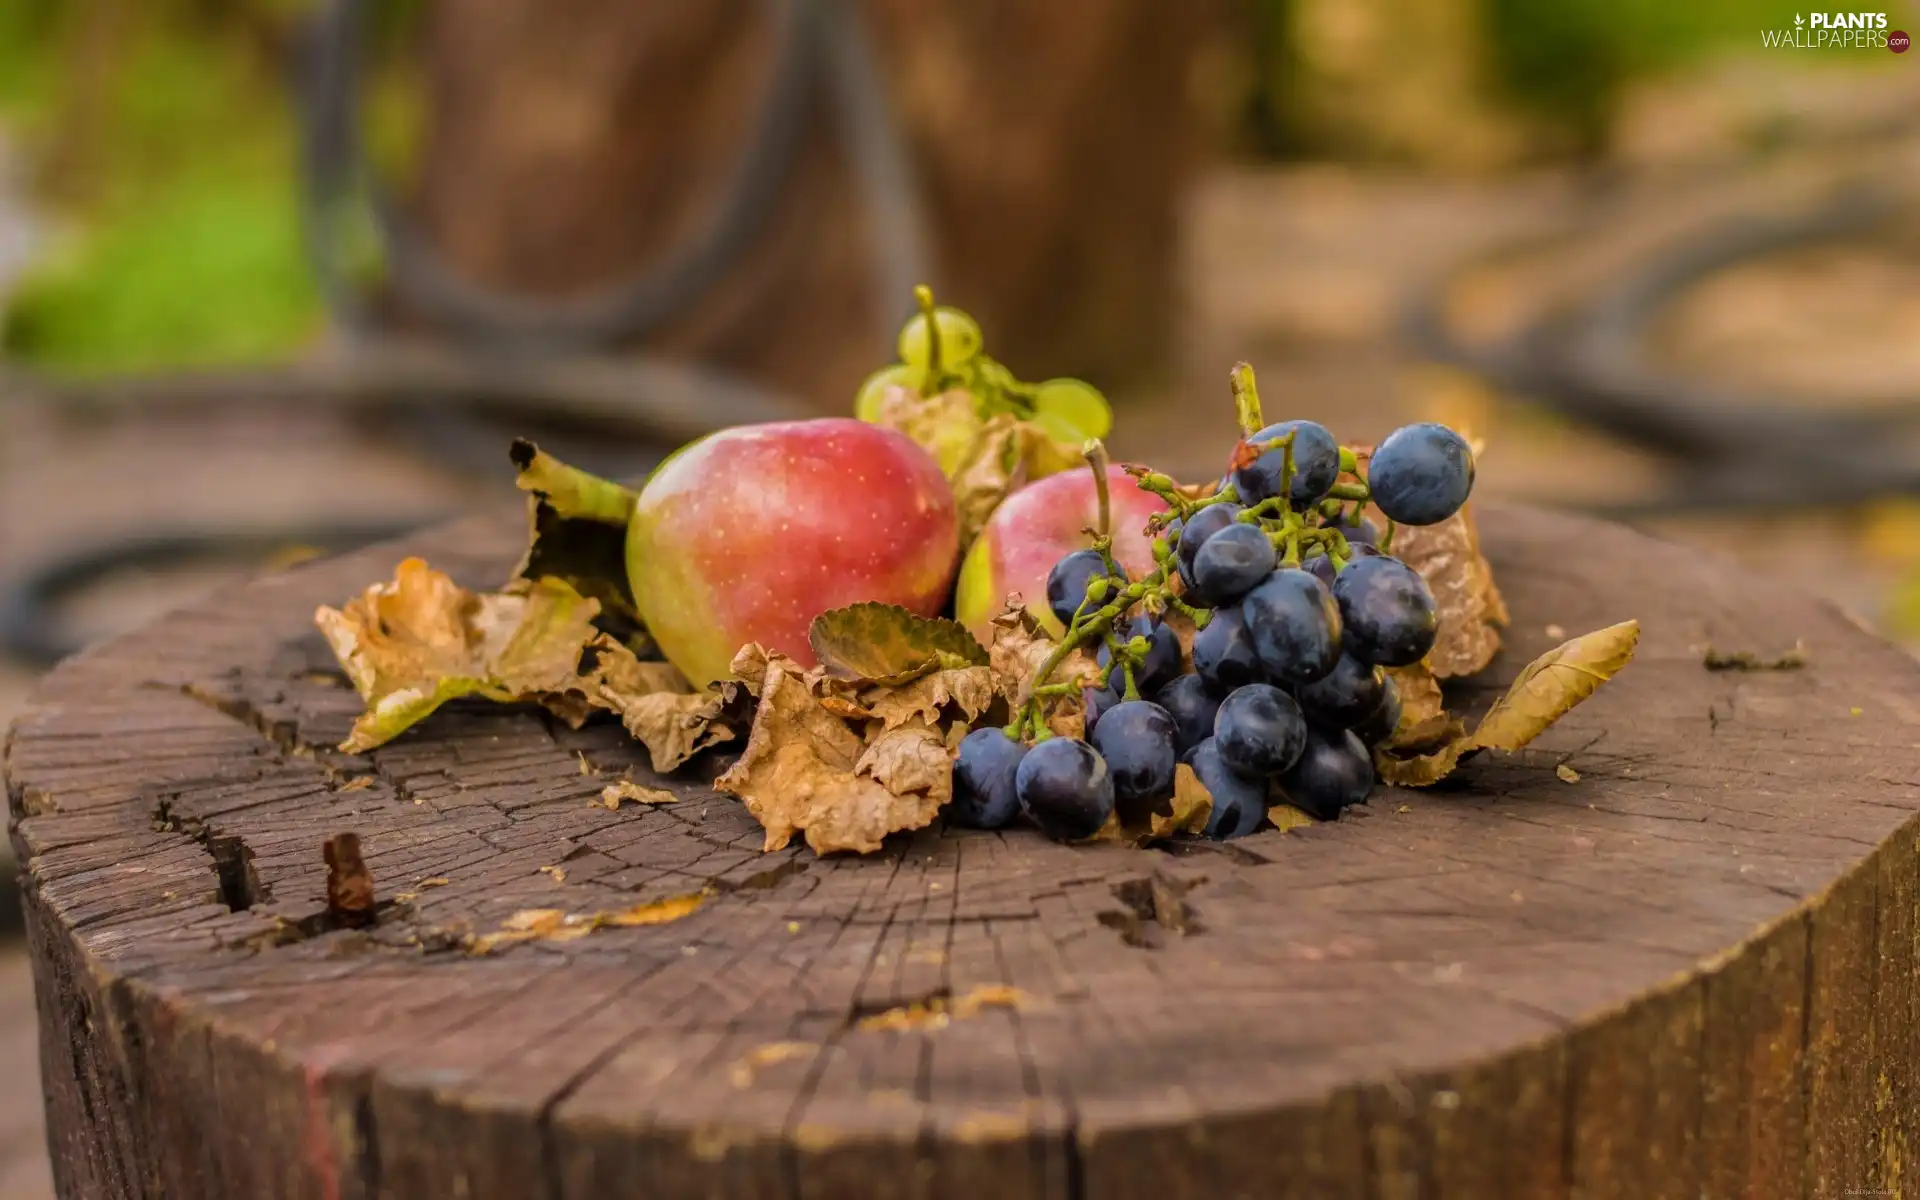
1037 526
750 533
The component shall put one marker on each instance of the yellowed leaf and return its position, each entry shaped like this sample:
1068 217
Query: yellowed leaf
1192 806
1018 649
1419 691
674 727
1555 682
1567 774
773 1053
1545 691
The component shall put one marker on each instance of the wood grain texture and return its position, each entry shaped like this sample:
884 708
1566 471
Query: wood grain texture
1690 974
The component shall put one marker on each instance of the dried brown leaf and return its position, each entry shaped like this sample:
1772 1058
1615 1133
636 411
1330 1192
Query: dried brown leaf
1018 649
1747 660
1567 774
674 726
1285 816
938 1011
1192 806
805 769
1419 691
886 644
961 694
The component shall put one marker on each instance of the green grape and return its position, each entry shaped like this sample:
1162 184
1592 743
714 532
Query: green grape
1060 431
994 387
866 403
959 339
1074 404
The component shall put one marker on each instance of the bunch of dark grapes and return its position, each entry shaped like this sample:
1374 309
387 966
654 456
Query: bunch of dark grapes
1300 608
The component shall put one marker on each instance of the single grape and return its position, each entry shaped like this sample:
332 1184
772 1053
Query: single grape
1230 562
1223 652
866 402
1191 704
1067 582
1387 611
1358 531
1316 465
1161 664
1098 701
1321 567
960 339
1239 804
1333 772
1344 697
1195 531
1421 474
1065 788
1136 737
1078 405
1381 723
983 795
1259 730
1294 625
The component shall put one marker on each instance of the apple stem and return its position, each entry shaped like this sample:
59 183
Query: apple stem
1246 400
923 297
1096 454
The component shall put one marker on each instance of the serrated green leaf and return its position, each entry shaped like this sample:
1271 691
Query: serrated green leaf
886 644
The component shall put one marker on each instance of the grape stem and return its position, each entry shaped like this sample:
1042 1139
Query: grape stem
1295 540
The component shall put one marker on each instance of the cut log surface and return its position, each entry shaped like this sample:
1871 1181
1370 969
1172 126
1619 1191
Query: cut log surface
1690 973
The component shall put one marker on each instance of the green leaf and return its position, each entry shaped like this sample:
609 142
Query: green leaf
886 644
574 494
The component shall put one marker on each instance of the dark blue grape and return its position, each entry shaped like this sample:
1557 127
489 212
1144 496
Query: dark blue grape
1259 730
1357 531
1421 474
1231 562
1387 611
1239 804
983 795
1191 704
1223 652
1195 531
1345 696
1136 737
1381 723
1316 465
1294 625
1065 789
1067 582
1161 664
1334 772
1098 701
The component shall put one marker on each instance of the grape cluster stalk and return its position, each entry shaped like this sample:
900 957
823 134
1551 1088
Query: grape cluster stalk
1298 609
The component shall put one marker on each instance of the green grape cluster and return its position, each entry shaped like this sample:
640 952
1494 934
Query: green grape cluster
942 348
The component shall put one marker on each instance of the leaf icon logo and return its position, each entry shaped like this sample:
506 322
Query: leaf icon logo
1797 21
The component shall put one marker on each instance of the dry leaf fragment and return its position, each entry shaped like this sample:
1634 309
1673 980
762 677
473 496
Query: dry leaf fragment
938 1011
557 874
627 791
675 727
436 881
1567 774
1420 697
556 925
886 644
1020 646
1545 691
1747 660
964 694
805 770
772 1053
1285 816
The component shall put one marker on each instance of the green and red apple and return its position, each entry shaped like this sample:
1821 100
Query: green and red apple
750 533
1035 528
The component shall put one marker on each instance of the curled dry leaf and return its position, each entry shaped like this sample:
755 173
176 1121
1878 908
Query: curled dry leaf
1285 816
558 925
1470 606
961 694
1187 812
415 643
577 530
1018 649
806 770
1545 691
886 644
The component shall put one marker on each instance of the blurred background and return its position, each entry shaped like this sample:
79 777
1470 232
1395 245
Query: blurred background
279 277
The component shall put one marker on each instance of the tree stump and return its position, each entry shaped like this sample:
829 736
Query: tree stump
1690 973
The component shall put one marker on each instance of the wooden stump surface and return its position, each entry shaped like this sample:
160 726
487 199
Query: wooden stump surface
1690 973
